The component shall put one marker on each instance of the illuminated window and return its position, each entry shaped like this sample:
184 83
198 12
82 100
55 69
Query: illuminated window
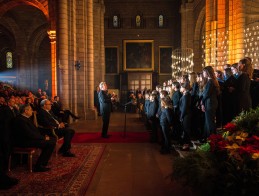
9 60
161 21
138 21
115 21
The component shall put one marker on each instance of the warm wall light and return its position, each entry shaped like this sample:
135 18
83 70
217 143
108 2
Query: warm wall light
52 35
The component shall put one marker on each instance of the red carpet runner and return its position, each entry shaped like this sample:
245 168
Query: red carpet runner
115 137
68 176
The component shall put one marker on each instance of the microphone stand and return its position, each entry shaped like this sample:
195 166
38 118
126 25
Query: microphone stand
125 117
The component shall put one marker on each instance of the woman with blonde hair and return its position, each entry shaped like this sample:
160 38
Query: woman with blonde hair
209 102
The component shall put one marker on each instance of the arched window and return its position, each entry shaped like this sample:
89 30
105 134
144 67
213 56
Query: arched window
161 20
115 21
9 60
138 21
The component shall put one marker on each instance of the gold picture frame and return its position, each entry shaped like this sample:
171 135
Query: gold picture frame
138 55
111 60
165 60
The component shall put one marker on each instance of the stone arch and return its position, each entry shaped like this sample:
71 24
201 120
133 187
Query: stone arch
199 24
27 49
36 38
7 44
6 6
33 45
13 28
20 51
199 28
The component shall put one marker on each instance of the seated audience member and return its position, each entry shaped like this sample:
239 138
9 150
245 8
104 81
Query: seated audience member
26 134
2 102
60 112
7 114
18 103
39 93
30 95
47 119
44 94
36 104
30 102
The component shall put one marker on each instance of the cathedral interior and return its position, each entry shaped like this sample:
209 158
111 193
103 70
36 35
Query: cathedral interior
68 47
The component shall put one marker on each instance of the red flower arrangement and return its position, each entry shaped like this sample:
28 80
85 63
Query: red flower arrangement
230 127
228 163
238 144
217 142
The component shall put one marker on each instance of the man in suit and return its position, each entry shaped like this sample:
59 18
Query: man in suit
39 93
60 112
26 135
105 107
47 120
7 115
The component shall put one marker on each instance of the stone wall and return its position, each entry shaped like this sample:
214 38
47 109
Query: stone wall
169 35
224 31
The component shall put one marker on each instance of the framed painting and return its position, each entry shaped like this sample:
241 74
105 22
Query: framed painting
111 60
165 59
138 55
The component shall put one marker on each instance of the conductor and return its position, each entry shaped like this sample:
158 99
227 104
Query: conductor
105 107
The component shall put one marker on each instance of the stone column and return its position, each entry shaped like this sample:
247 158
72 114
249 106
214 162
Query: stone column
90 112
63 52
102 55
239 29
221 34
98 42
210 29
187 27
236 30
52 37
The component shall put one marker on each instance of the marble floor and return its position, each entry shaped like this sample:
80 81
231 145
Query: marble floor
130 169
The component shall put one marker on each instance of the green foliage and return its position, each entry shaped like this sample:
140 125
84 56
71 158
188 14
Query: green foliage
248 121
194 170
204 147
214 175
214 170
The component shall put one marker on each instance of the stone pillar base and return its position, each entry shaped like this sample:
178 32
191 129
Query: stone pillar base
90 114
